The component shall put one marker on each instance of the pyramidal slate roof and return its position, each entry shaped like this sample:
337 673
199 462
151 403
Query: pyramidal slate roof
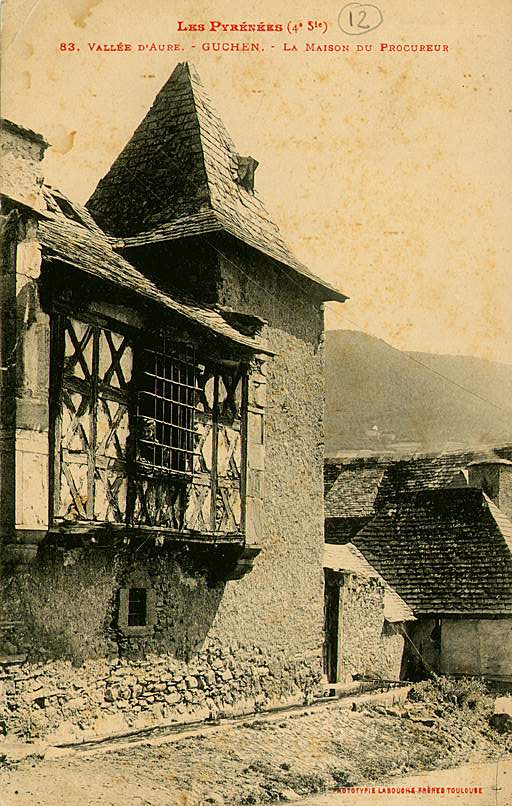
444 551
180 175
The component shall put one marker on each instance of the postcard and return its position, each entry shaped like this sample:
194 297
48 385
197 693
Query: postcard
194 193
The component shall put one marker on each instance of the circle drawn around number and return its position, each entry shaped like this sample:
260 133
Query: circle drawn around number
357 19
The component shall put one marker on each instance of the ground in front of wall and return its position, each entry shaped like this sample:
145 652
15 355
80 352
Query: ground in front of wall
270 761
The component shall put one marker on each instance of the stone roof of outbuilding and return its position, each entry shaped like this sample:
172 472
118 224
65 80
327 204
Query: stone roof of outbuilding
69 234
353 493
355 487
444 551
349 559
178 176
425 473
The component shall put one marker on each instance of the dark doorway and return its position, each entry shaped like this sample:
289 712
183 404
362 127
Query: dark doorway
331 626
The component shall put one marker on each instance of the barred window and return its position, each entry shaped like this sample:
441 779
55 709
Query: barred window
137 607
166 405
190 436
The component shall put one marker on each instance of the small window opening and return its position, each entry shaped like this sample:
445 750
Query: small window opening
137 607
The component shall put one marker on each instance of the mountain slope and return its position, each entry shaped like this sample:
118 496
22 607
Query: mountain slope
380 399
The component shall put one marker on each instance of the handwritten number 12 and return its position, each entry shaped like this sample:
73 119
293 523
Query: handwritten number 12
362 16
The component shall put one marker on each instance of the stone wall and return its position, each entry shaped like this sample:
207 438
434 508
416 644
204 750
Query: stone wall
59 702
21 152
280 603
369 645
247 642
83 670
505 494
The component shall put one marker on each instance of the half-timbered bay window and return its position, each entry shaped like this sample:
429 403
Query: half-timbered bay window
148 433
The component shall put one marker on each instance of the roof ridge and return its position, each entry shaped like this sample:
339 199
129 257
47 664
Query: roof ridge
191 69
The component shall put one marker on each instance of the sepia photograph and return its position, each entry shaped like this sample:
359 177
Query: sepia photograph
255 403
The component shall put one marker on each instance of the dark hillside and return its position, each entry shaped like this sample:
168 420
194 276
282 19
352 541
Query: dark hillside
380 399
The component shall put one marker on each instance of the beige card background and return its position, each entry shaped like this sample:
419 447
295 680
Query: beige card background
390 174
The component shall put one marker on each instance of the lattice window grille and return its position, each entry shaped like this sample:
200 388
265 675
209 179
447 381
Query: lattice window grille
166 408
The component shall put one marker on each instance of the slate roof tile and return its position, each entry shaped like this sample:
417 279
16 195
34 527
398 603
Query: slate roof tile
444 550
353 493
184 154
425 473
85 247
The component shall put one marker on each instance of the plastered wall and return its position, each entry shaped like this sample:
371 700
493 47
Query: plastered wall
280 603
477 647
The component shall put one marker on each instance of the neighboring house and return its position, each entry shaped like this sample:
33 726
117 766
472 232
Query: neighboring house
162 398
440 535
350 493
365 618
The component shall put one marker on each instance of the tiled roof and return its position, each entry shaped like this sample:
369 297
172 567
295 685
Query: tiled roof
353 493
178 176
349 558
79 242
444 551
397 477
429 473
342 530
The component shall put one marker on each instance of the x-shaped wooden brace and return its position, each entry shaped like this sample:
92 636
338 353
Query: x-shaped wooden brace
116 353
111 490
79 346
113 423
76 423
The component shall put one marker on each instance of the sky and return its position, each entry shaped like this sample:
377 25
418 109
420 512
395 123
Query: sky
389 173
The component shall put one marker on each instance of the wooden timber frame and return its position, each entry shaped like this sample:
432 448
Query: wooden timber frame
81 394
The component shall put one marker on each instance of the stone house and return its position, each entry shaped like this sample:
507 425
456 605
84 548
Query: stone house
162 407
441 536
365 619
